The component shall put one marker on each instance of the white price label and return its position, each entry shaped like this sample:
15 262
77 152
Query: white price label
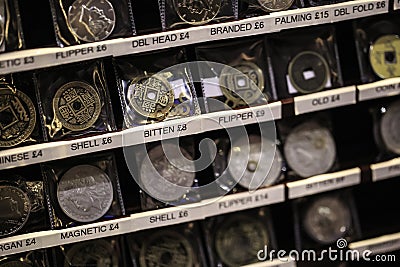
383 88
20 243
396 4
378 245
325 100
238 29
95 143
283 262
385 170
324 182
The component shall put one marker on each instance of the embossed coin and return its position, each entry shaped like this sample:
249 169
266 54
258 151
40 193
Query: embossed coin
197 12
252 167
166 248
310 149
390 125
77 105
167 178
327 219
91 20
275 5
17 117
151 96
238 240
15 207
15 264
91 253
242 84
384 56
308 72
85 193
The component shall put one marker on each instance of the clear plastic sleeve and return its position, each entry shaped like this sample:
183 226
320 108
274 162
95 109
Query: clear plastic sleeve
153 90
11 34
182 13
85 21
82 190
251 8
304 61
74 100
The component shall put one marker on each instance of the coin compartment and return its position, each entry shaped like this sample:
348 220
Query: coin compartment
175 14
242 234
310 232
224 82
181 245
11 33
377 41
34 258
304 61
155 87
251 8
77 198
74 100
106 19
23 200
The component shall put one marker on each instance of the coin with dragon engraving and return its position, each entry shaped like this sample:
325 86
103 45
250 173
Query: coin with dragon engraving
85 193
327 219
310 149
15 207
91 20
308 72
255 162
17 117
242 84
15 263
239 238
167 248
77 105
389 126
91 253
197 12
151 96
275 5
384 56
167 178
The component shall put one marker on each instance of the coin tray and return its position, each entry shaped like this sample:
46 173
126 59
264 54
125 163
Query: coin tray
77 93
346 204
304 60
107 251
114 16
109 204
245 55
366 32
28 181
11 35
176 84
34 258
241 250
289 126
171 18
251 8
24 83
181 245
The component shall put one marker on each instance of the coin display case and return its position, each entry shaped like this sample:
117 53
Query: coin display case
349 100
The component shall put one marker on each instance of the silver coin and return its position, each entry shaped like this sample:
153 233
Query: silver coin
327 219
238 240
15 207
15 263
308 72
165 178
197 12
251 167
310 149
275 5
85 193
91 20
390 125
166 248
98 253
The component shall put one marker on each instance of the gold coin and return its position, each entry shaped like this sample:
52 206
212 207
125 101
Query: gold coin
17 117
242 84
384 56
151 96
77 105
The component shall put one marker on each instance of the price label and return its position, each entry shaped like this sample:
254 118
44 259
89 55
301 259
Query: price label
95 143
14 245
247 27
378 245
385 170
357 9
383 88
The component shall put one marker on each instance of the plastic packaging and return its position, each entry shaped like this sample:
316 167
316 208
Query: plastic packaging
83 21
251 8
11 34
74 100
